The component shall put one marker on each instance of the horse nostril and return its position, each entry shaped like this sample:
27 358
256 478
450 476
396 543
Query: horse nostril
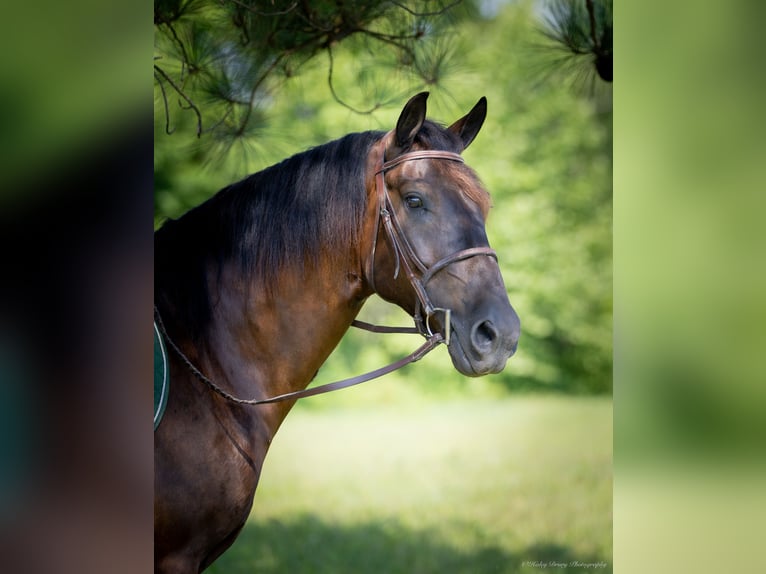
483 336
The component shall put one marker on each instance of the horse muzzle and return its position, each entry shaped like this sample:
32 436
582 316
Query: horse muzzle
483 346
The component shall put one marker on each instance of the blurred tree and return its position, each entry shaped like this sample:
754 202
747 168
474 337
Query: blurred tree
553 210
222 59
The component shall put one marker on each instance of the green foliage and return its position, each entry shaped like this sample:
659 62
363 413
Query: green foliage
224 59
583 31
462 487
545 155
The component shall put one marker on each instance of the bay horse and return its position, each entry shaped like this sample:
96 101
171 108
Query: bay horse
257 285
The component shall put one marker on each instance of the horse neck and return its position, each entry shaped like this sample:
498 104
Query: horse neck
278 338
265 342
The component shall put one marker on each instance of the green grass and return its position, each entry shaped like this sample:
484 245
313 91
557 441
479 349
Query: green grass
513 485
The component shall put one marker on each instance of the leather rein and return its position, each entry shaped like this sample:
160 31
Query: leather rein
418 274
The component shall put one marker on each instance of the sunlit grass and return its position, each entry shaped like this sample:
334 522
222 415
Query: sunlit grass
473 486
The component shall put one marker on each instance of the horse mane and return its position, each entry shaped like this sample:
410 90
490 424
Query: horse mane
291 213
308 206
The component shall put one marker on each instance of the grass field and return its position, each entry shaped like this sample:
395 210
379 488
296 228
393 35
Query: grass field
522 484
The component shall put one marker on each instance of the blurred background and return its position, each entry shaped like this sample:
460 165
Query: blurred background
78 208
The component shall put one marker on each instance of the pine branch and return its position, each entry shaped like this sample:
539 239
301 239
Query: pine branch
215 47
252 10
165 102
422 14
337 98
180 92
582 32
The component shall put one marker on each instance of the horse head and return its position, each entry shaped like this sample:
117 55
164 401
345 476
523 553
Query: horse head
428 248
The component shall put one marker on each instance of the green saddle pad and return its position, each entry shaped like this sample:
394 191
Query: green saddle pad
161 377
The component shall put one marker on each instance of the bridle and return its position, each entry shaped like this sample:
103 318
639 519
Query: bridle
418 274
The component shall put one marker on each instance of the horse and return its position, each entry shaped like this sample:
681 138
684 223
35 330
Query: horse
257 285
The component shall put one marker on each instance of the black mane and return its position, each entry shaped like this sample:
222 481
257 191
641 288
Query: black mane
288 214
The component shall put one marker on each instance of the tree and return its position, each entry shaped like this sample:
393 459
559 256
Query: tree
224 60
581 30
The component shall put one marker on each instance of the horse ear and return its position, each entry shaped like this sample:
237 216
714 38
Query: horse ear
410 121
469 125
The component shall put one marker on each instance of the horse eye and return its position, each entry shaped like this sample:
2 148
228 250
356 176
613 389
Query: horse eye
413 201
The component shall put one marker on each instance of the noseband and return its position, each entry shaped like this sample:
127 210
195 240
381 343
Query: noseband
418 273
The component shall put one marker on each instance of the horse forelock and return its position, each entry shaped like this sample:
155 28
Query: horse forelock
436 136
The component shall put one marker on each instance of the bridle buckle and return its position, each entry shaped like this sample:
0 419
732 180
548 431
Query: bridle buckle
447 323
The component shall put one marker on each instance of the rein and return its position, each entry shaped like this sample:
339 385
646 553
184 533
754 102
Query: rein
416 355
405 257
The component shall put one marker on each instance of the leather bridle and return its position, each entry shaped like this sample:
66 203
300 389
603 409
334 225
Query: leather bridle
417 272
